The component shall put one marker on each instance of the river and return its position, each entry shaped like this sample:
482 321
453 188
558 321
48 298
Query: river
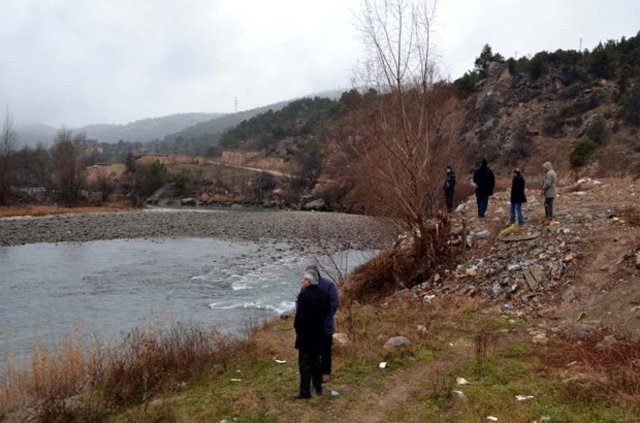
105 288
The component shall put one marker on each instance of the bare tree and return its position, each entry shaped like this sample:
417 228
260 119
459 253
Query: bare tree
68 153
7 146
403 147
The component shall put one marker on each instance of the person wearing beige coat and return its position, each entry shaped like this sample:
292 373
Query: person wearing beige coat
549 189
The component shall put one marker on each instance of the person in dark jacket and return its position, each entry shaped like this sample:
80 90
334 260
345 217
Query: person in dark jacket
485 182
312 309
449 187
328 286
517 197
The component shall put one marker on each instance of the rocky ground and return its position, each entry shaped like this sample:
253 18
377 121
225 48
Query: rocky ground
306 230
582 269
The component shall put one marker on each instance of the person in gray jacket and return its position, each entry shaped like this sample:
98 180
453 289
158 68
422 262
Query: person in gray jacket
549 189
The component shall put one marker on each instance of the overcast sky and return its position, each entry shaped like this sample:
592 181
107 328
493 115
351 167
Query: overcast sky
77 62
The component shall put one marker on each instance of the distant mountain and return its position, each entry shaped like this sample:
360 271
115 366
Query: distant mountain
202 137
140 131
31 135
145 130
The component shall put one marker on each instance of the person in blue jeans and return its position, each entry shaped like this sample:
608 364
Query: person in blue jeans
517 197
485 182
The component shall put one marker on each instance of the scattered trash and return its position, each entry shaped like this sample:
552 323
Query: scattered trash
428 298
483 234
571 364
334 393
462 381
279 361
460 394
382 365
236 380
507 229
492 418
524 397
581 316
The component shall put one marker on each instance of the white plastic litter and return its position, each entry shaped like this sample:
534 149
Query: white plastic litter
279 361
524 397
460 394
382 365
462 381
492 418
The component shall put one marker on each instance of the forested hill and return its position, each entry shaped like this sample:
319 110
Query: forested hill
580 109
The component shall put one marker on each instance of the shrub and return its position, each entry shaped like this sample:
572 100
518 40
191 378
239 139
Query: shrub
156 176
631 106
582 149
597 130
466 84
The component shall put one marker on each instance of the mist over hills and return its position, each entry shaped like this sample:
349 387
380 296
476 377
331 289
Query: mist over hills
195 132
139 131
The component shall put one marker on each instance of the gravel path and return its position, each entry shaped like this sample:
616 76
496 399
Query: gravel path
324 230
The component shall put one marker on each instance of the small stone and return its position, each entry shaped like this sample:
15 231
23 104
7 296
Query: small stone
341 339
396 342
540 339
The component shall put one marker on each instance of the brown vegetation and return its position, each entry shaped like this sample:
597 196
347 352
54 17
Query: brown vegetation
600 365
44 210
80 382
409 263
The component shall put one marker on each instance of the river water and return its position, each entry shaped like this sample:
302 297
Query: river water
106 288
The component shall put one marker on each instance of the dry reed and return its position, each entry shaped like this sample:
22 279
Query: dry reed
80 382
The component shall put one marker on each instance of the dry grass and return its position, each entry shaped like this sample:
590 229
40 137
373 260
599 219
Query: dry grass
81 382
597 369
631 215
40 210
403 266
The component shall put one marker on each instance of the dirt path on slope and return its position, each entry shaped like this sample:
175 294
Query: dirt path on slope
376 405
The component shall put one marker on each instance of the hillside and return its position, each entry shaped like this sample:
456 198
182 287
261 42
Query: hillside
145 130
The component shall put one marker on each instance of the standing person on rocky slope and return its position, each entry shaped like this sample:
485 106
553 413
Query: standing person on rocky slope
549 189
517 198
484 181
449 187
312 309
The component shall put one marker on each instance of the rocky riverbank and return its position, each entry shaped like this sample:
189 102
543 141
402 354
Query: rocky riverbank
306 230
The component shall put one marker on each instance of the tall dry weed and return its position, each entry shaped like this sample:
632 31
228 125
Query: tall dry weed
78 382
604 366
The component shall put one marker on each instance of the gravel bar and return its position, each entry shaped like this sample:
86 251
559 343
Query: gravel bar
323 230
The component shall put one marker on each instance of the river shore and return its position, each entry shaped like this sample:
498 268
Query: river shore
306 230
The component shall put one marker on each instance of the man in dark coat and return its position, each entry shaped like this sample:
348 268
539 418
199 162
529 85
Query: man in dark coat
328 286
485 182
517 198
449 187
312 309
